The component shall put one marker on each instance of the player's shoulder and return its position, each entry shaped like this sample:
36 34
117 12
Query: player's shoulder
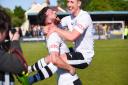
53 37
54 34
84 13
66 18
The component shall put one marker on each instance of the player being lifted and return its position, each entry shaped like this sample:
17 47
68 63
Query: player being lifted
59 56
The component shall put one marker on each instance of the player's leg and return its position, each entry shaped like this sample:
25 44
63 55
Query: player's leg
39 64
77 82
55 60
43 73
62 64
75 59
70 80
45 70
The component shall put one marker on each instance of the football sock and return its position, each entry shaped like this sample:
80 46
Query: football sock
37 66
43 73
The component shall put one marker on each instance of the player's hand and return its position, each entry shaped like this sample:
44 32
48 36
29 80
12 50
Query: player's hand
14 36
54 56
48 59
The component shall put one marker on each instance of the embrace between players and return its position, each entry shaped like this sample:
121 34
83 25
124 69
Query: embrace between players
61 60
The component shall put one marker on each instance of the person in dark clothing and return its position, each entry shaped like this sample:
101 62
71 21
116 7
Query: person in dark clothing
11 58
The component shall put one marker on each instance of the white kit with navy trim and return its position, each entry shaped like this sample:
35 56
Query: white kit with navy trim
83 24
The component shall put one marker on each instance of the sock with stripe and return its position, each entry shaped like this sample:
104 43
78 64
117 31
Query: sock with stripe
43 73
37 66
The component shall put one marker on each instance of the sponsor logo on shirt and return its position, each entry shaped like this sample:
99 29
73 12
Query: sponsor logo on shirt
80 26
53 46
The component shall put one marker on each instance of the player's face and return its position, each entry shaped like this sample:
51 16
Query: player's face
51 14
73 6
48 20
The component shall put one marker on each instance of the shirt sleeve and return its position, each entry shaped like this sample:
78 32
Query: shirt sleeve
82 23
53 43
63 23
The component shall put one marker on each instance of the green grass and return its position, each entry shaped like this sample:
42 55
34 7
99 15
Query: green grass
109 65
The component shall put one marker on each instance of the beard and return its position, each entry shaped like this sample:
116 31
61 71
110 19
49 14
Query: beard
57 21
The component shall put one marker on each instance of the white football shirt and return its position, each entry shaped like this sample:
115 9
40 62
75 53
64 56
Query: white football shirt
83 24
56 44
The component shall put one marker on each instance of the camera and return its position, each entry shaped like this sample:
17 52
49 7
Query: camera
7 43
13 31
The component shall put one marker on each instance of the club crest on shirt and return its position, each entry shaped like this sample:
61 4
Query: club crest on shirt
74 23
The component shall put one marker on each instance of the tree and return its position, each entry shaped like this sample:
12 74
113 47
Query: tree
19 16
62 3
100 5
7 10
19 12
119 5
107 5
85 3
16 22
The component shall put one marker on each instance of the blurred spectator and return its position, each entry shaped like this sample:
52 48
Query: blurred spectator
126 32
11 60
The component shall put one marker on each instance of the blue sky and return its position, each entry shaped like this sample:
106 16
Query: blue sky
25 4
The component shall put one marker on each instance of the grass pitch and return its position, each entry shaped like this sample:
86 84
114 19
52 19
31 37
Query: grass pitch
109 65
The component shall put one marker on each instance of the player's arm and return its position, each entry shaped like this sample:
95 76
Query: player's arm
56 59
71 36
82 24
54 49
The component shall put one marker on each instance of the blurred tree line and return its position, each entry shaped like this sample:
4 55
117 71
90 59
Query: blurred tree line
17 15
101 5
